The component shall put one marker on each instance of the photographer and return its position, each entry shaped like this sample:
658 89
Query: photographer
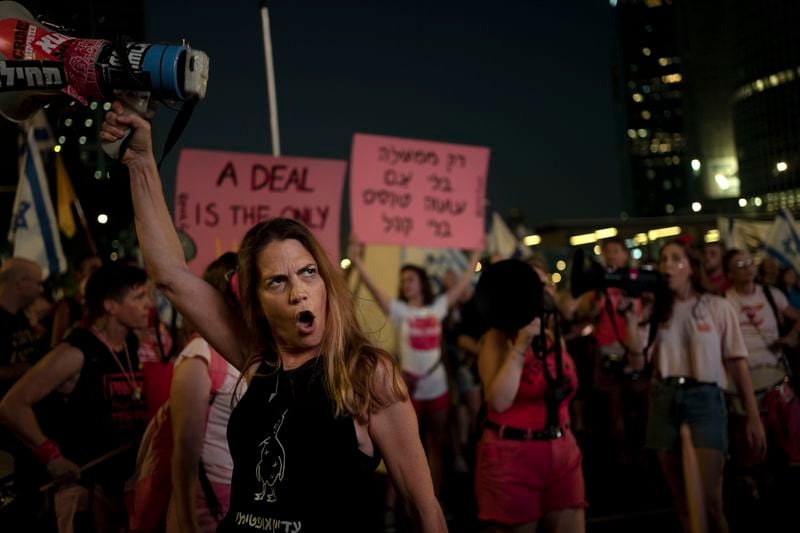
616 357
528 465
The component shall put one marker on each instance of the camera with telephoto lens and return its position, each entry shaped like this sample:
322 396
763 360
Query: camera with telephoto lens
589 275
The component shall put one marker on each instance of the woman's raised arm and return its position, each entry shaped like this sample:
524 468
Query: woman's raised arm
163 254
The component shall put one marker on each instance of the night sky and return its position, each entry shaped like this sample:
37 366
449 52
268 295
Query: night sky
529 79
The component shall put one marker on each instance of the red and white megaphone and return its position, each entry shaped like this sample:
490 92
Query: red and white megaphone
38 63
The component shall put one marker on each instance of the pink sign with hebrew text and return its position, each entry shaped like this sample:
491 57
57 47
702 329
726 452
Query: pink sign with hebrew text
417 193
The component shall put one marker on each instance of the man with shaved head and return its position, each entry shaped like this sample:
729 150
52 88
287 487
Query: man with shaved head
20 284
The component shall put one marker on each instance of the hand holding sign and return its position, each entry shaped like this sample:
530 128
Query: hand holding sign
420 193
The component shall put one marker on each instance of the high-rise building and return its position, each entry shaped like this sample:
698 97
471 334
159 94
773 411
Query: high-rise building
652 78
766 100
723 99
705 37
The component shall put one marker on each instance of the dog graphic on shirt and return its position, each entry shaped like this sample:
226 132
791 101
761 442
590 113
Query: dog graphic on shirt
271 466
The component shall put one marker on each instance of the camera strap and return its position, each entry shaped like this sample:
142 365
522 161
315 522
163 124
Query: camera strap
612 316
556 390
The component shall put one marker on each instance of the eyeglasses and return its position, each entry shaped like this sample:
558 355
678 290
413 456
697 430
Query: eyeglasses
743 263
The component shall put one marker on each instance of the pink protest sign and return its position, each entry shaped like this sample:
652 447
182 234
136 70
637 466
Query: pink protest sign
417 193
220 195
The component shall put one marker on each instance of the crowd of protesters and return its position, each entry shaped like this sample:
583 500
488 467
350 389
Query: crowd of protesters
688 377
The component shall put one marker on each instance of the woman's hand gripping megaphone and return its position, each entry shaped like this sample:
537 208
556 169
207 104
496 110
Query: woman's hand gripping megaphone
132 103
127 130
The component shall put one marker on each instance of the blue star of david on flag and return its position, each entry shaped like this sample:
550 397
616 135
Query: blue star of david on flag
21 221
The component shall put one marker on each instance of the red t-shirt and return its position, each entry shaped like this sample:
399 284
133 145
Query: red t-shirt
610 325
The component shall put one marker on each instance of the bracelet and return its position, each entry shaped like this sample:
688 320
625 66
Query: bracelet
46 452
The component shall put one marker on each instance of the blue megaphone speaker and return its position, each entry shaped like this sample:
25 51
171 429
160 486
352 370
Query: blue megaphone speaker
37 63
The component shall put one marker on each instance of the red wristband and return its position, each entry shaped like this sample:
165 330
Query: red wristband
46 452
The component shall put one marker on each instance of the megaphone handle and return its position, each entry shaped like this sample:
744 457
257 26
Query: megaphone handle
132 102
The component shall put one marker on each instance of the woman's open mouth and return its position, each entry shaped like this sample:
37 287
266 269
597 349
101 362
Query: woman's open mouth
305 322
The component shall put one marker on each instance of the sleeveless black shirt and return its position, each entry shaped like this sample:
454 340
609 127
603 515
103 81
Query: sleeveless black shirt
297 467
101 413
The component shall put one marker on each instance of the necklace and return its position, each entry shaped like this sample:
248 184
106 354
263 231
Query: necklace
136 390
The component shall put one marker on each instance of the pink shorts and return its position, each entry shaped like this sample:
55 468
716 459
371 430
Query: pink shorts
518 482
434 405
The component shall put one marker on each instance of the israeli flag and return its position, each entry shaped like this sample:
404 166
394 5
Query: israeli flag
783 241
34 228
502 242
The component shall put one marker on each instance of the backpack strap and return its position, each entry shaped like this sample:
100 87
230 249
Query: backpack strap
217 371
212 502
778 316
782 329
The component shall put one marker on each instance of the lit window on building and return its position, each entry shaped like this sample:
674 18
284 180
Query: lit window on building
637 97
672 78
646 51
667 185
652 3
664 61
669 208
632 134
646 114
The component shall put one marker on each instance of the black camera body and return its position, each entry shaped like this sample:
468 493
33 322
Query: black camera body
589 275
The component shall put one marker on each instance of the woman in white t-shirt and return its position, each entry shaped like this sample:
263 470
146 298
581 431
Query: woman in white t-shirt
698 344
203 392
417 316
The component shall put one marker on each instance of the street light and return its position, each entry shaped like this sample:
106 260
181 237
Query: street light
696 207
782 166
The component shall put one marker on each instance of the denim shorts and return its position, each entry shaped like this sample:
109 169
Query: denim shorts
701 405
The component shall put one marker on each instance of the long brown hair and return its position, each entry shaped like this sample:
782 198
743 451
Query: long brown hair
352 362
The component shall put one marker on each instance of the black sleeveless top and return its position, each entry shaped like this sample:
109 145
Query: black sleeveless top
102 413
296 467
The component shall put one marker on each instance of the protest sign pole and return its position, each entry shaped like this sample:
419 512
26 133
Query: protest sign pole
273 104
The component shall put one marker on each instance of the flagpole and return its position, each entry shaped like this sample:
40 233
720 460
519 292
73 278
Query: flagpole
85 223
273 103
